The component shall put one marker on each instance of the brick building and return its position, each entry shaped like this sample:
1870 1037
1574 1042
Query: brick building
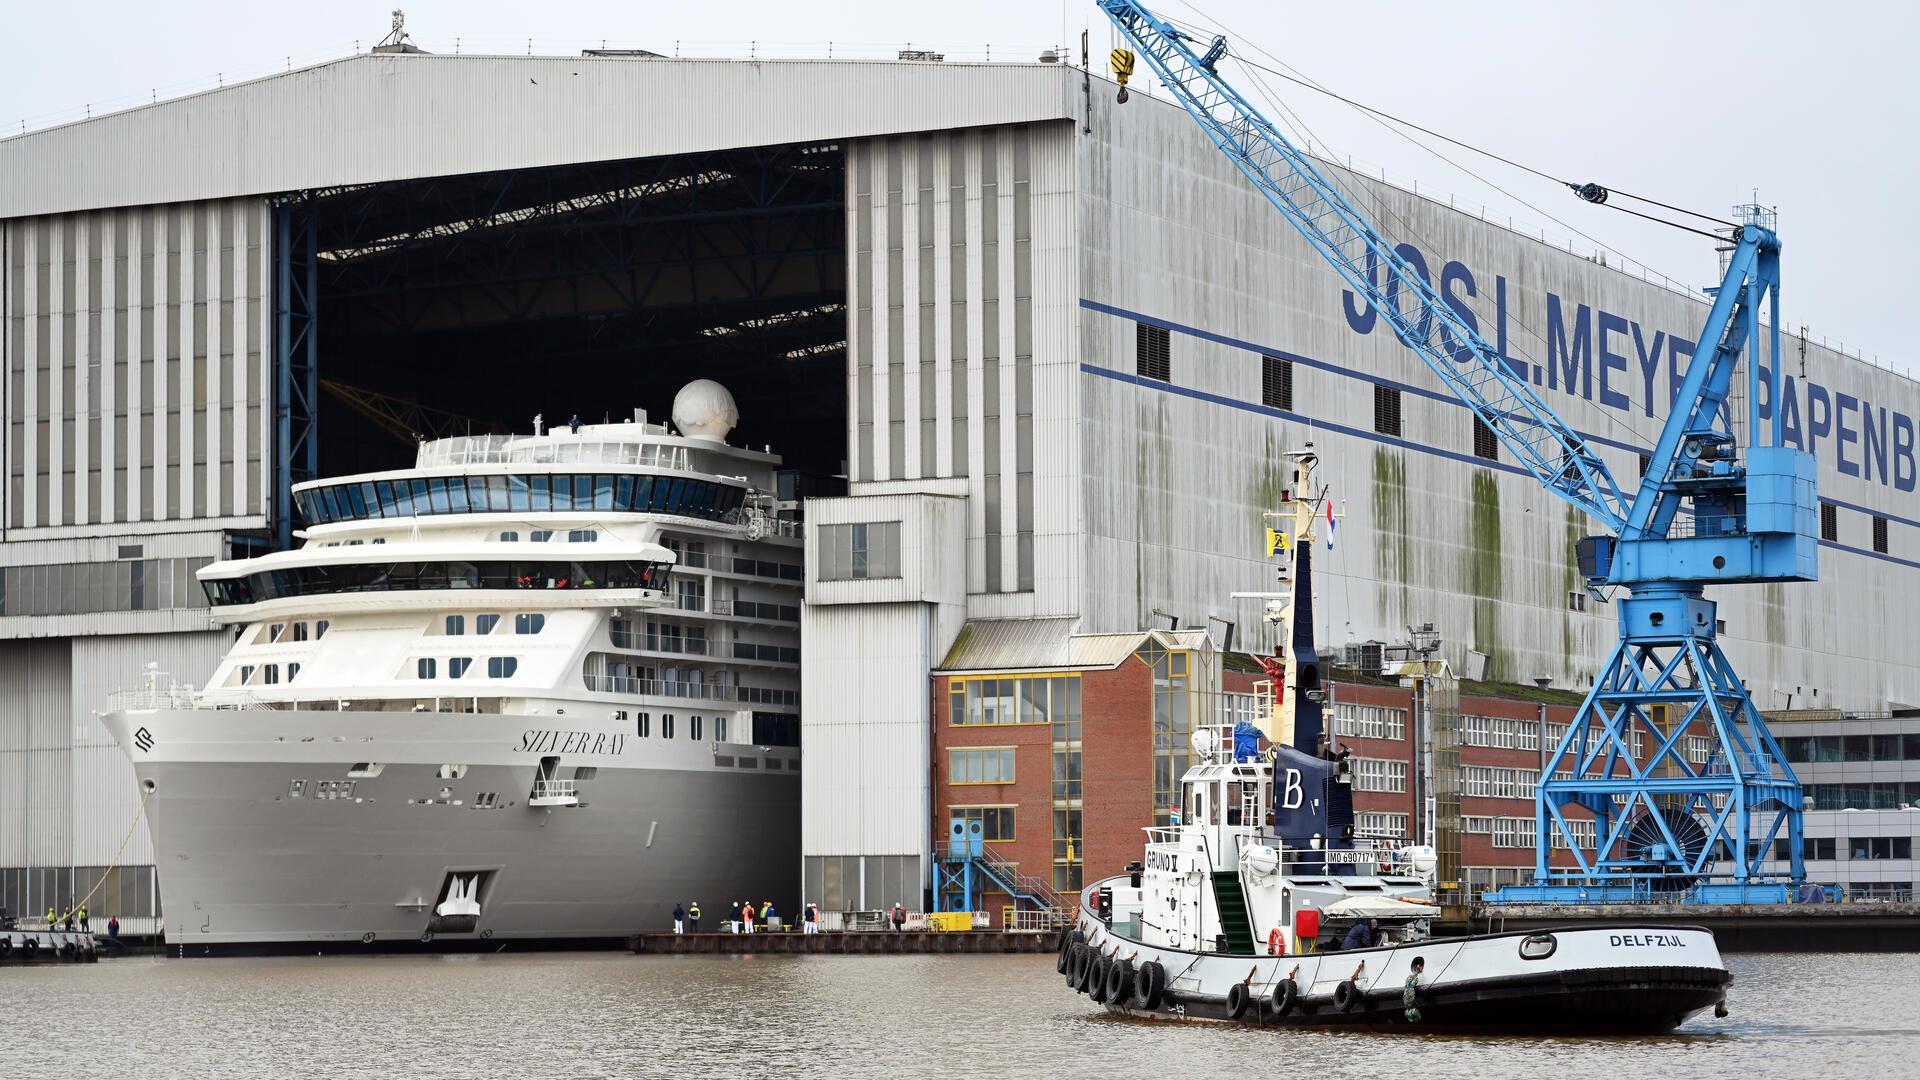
1066 745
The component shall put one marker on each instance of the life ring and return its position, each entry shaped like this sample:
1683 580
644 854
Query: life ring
1276 942
1238 998
1150 984
1120 982
1098 988
1346 996
1286 994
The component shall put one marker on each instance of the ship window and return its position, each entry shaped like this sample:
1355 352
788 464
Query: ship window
484 624
585 772
365 768
270 674
320 629
458 665
540 536
642 725
246 674
502 667
452 772
719 729
292 670
526 623
296 789
299 631
277 629
693 728
583 536
666 725
456 625
542 496
424 667
509 537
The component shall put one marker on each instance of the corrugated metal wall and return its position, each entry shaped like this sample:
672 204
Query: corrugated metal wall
1178 472
67 793
137 363
960 330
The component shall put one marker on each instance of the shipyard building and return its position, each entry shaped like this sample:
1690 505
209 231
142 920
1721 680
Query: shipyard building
1031 356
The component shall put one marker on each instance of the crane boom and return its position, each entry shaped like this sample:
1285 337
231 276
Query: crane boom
1472 368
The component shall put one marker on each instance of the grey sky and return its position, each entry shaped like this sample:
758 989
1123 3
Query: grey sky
1695 104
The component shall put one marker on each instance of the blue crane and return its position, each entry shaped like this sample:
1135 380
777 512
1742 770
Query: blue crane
1708 511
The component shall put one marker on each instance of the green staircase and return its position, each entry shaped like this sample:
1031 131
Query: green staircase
1232 902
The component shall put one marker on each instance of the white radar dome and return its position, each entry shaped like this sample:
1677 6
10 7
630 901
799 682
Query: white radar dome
703 409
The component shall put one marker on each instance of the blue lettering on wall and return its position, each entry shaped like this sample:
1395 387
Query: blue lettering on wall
1611 361
1873 447
1870 442
1819 416
1790 417
1844 404
1649 360
1569 360
1456 273
1903 471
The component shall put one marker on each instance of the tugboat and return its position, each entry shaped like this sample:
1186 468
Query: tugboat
1260 905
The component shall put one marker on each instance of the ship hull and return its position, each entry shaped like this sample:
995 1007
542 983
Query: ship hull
1581 980
262 845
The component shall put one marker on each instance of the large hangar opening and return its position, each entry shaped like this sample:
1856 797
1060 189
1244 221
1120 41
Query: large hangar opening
466 304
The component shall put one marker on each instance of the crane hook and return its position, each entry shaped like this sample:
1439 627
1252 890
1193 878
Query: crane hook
1122 61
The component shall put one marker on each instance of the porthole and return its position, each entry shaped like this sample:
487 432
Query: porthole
1537 946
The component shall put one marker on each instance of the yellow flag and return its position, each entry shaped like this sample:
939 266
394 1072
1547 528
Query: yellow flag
1273 542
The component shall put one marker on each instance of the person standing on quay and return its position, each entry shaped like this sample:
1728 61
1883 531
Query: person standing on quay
899 916
746 916
693 916
811 921
679 919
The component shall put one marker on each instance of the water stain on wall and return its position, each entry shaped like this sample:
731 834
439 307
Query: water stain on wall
1393 535
1486 570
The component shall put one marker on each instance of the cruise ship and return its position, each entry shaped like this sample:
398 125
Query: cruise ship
537 687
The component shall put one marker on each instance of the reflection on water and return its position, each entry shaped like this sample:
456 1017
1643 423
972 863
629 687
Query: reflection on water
609 1015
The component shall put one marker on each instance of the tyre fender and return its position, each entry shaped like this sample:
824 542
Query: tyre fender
1238 998
1120 982
1098 980
1286 995
1346 996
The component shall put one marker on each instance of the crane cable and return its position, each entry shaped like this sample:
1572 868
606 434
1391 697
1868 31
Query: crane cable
1593 193
114 863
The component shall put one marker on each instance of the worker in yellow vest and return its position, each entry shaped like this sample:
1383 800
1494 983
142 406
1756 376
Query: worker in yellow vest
51 923
84 924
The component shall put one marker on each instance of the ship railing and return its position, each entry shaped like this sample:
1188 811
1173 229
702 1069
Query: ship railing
148 699
551 450
1031 921
627 684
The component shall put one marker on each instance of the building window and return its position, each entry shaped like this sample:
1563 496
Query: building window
502 667
1069 853
1276 383
1369 721
1023 700
424 667
1645 464
1879 534
1880 847
996 822
1151 356
1484 444
1576 601
1829 522
1501 732
484 624
525 623
860 551
1376 774
1386 410
456 625
980 765
1377 825
1175 711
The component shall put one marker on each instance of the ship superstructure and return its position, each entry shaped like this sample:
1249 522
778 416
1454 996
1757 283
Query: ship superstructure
536 686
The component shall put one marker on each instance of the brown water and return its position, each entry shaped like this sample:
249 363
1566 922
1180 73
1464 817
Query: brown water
579 1016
